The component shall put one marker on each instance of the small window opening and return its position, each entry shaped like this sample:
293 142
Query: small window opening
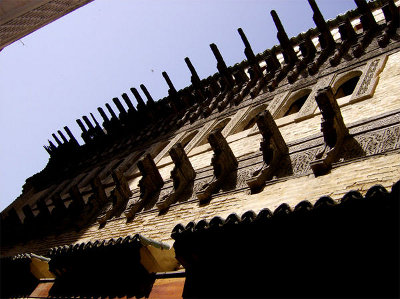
347 87
188 138
221 125
250 124
159 149
296 105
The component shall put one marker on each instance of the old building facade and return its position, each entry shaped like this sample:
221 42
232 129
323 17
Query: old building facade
276 177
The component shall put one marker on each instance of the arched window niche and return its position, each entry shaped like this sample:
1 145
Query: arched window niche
185 141
249 120
220 125
346 84
294 103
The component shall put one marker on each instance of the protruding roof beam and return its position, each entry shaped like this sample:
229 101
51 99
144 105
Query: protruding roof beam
70 135
367 18
103 114
147 94
325 39
195 79
113 115
56 139
88 123
118 104
251 58
128 102
62 136
287 49
221 66
141 104
172 90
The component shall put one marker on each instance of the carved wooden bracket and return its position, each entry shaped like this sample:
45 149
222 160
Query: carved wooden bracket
273 147
182 175
119 197
333 129
77 205
223 162
369 24
79 212
150 183
348 37
121 184
391 13
98 191
60 210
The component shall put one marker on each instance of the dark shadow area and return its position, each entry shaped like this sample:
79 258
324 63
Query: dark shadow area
348 249
229 182
351 149
185 196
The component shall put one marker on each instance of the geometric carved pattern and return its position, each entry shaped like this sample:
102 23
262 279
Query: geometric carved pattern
369 79
301 161
380 141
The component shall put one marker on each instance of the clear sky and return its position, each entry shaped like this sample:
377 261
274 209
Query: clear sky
70 67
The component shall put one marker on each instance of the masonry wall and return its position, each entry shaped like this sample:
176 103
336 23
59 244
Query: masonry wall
358 173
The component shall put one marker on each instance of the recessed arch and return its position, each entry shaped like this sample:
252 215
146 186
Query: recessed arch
188 138
220 125
158 148
294 103
184 141
345 85
250 119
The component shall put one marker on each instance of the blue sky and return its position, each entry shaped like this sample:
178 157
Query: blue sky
70 67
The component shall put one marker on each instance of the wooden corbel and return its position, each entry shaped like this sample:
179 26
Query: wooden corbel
77 205
182 175
119 196
80 212
121 184
223 162
98 191
273 147
333 129
150 183
60 212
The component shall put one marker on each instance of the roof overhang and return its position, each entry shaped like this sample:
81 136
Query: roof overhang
19 18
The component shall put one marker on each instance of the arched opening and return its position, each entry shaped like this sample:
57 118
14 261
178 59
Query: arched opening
158 149
294 103
185 141
249 120
251 123
221 125
347 87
